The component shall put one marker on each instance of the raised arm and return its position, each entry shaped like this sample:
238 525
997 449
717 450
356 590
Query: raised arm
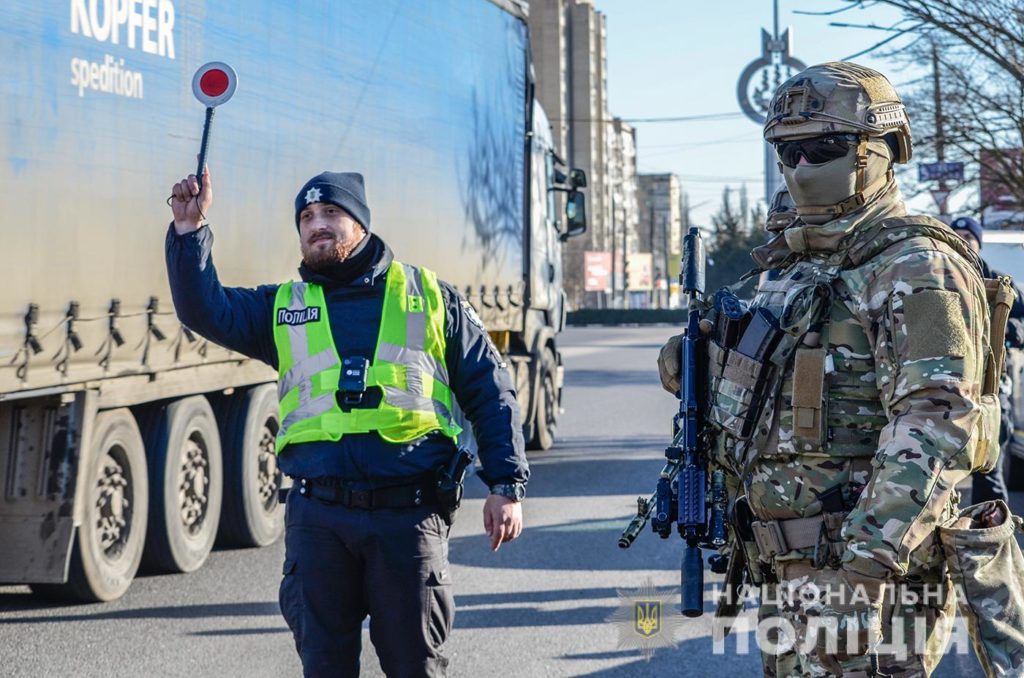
236 318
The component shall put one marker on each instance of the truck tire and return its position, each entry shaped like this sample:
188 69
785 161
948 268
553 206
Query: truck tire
252 514
108 544
186 475
546 408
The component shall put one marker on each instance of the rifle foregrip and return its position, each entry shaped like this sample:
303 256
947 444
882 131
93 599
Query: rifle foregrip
692 510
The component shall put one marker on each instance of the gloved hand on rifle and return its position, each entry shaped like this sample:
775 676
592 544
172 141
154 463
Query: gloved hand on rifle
670 364
848 613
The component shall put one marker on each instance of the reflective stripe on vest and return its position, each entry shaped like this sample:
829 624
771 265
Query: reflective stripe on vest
408 364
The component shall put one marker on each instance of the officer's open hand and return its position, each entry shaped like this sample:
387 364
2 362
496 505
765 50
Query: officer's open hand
190 205
503 519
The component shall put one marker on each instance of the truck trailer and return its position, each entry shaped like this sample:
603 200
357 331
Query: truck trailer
125 439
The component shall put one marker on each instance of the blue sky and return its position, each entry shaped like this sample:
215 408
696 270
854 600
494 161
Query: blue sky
671 58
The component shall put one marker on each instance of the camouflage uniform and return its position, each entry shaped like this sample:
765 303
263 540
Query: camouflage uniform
894 418
874 411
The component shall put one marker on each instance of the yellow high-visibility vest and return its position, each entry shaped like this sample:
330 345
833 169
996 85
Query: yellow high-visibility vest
408 364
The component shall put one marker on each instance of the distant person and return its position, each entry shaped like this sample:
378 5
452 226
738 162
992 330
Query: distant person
985 486
371 354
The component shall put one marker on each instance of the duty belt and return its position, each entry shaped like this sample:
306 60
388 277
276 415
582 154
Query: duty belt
420 493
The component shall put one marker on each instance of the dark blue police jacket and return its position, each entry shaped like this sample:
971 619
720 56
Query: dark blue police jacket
241 319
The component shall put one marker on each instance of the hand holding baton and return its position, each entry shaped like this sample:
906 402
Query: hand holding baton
213 84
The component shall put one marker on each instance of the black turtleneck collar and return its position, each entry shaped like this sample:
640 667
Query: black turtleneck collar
370 260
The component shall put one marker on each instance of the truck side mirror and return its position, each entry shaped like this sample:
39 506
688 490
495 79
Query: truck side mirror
577 178
575 215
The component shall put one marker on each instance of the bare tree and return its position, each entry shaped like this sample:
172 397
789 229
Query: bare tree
992 28
977 119
977 47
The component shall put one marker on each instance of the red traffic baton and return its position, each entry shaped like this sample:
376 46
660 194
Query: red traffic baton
213 84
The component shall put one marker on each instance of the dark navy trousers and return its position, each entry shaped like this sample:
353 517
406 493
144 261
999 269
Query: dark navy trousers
987 486
344 564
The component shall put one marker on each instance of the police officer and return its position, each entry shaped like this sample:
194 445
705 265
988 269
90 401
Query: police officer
986 486
855 401
371 355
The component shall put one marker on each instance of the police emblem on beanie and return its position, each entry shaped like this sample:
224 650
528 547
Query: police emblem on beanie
344 189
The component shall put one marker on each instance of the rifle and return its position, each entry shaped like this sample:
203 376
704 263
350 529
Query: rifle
686 496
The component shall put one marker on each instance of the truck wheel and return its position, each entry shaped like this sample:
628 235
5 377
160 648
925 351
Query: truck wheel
252 514
108 544
546 412
185 473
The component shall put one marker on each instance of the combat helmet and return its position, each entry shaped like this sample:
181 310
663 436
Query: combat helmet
838 98
842 98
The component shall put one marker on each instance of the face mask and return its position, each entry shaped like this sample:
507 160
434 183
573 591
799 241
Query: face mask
816 187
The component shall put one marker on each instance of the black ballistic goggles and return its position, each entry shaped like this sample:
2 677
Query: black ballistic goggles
816 150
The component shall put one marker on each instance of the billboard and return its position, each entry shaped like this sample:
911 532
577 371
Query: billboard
1002 188
639 268
597 271
996 191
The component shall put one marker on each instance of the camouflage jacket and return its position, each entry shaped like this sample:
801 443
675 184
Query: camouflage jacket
881 398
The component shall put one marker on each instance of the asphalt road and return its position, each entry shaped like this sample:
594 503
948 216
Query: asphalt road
538 607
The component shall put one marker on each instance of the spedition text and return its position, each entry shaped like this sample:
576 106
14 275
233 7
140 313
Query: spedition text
110 77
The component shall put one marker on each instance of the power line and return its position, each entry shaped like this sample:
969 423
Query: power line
704 179
688 118
656 150
679 118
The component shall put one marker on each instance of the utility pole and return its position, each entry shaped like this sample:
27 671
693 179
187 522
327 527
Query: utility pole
614 258
940 142
654 282
625 292
664 239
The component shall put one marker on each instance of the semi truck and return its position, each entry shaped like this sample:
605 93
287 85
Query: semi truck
125 439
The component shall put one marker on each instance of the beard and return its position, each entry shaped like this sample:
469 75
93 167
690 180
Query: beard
318 259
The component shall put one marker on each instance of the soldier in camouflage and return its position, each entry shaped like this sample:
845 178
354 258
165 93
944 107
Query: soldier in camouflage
847 431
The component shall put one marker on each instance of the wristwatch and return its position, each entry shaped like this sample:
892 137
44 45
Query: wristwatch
514 491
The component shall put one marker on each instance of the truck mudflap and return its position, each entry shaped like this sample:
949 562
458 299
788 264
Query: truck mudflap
40 440
559 379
